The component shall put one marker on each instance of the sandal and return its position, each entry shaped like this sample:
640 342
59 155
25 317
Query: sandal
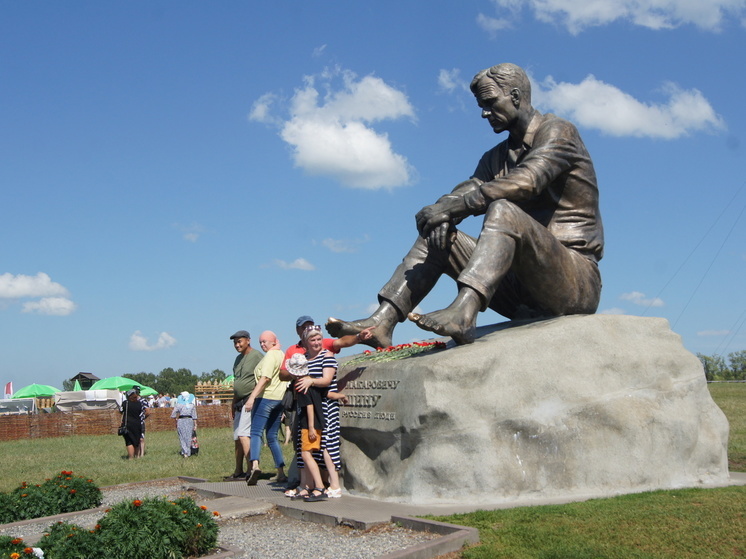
253 477
292 492
333 493
300 495
234 477
316 495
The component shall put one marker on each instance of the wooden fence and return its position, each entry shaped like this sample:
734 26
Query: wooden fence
100 422
214 392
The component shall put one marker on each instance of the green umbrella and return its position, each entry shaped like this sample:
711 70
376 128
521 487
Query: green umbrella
147 391
115 383
76 386
36 391
228 380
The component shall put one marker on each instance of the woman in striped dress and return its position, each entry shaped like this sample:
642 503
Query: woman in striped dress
322 372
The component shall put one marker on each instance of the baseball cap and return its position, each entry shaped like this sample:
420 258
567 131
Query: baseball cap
240 334
302 320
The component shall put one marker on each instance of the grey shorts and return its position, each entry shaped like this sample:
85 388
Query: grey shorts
242 424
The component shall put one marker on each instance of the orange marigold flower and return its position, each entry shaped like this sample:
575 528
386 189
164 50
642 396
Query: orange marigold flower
203 507
15 555
137 502
16 541
215 513
73 491
185 512
24 495
97 527
28 551
199 525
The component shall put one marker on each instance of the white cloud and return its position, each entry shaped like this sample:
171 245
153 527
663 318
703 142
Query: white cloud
53 298
492 24
451 80
138 342
191 232
40 285
654 14
613 310
261 109
595 104
638 298
332 136
297 264
344 245
55 306
713 333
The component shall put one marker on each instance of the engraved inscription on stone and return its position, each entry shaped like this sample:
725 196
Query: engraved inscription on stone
367 397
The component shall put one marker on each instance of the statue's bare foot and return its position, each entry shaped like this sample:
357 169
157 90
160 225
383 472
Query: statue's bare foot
447 322
381 335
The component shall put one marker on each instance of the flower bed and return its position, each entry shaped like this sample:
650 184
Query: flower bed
62 493
157 528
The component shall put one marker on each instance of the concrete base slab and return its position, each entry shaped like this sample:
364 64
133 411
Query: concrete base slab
237 507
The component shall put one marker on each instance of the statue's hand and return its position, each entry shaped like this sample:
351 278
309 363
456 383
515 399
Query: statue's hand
430 217
438 237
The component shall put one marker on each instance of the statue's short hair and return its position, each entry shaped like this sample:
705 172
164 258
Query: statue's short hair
507 76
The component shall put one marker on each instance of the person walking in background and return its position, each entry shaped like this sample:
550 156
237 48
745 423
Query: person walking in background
243 385
265 403
185 413
131 410
144 413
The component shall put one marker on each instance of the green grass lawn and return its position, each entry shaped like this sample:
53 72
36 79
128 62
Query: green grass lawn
692 523
102 458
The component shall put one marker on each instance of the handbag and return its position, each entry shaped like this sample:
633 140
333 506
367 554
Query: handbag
288 400
195 443
122 431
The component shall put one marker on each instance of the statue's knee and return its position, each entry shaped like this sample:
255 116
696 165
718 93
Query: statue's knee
503 211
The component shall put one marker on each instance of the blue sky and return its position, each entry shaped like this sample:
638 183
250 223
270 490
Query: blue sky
175 171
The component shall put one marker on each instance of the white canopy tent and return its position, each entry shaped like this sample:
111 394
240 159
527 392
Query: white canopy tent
83 400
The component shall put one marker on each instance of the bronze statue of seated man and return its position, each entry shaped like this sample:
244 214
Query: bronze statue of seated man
541 239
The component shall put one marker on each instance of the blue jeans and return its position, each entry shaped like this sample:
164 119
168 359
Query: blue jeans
266 416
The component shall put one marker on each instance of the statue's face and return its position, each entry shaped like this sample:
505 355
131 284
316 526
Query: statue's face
499 109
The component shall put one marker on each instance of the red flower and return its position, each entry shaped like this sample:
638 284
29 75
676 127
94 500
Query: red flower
73 492
137 502
28 551
16 541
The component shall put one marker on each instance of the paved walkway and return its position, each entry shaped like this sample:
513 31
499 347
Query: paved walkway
357 512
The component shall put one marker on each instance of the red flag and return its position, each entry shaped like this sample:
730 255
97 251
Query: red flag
9 390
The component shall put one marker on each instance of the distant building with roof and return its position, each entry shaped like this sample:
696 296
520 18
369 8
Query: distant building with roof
85 380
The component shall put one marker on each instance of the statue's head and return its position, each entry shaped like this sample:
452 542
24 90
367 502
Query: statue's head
508 77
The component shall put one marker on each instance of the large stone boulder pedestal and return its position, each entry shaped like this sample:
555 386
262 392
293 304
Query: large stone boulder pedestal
568 408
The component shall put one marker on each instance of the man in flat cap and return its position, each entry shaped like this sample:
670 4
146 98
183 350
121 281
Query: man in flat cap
243 384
